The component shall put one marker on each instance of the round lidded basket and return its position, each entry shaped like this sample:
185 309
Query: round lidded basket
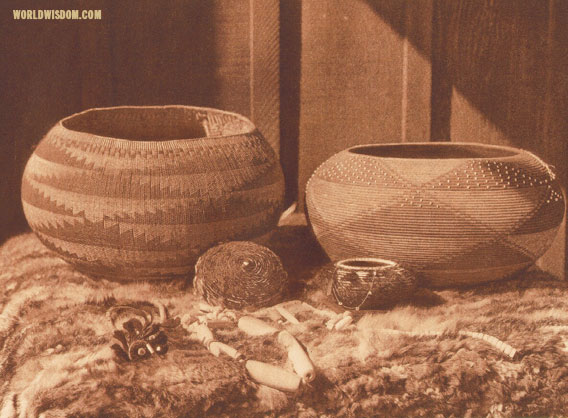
140 192
240 274
371 283
453 213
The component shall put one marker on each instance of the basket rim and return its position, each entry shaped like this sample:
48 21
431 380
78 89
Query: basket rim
117 141
381 263
512 152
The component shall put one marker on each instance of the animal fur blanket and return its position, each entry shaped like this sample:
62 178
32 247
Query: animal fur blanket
56 358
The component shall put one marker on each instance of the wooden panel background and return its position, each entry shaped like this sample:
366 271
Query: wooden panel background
217 53
505 81
365 76
352 72
491 71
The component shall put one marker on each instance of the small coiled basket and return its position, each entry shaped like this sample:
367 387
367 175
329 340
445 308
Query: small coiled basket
240 274
371 283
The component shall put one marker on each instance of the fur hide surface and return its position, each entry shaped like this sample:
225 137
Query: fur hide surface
56 360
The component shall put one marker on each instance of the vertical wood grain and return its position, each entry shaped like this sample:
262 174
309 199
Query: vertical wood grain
164 52
142 52
555 122
290 75
417 68
507 71
351 80
265 68
441 99
40 81
93 57
231 73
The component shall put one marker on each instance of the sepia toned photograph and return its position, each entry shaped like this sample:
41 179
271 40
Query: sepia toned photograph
283 208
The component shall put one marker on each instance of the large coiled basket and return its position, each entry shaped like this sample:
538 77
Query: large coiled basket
455 213
141 192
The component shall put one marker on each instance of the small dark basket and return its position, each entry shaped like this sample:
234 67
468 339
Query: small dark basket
240 274
371 283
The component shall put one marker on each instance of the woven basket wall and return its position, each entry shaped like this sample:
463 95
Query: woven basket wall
371 283
455 213
240 274
179 180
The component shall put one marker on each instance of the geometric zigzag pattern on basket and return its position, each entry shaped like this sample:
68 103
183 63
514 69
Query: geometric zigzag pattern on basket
458 220
151 205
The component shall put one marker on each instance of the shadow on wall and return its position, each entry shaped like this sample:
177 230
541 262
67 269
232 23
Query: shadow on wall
498 76
498 70
51 69
290 73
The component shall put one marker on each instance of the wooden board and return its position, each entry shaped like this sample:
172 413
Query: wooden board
365 77
504 66
218 54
